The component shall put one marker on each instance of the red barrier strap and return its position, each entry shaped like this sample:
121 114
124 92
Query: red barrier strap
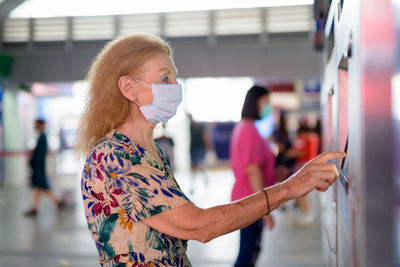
9 153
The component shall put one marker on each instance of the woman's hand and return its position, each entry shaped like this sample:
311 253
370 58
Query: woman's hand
269 221
315 174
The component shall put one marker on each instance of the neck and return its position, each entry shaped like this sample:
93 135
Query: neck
248 119
137 128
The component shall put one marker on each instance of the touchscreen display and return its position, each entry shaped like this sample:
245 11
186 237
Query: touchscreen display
344 166
344 169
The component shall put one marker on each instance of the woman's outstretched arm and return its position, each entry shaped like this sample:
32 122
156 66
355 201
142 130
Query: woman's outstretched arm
192 223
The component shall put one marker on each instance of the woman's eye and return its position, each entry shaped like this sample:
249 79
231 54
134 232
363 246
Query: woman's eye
165 79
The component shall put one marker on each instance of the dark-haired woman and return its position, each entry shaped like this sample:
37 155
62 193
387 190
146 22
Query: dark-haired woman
253 165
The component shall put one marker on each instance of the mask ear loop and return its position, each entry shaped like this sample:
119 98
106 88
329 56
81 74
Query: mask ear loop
143 84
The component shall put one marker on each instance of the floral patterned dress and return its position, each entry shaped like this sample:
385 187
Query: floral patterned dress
121 186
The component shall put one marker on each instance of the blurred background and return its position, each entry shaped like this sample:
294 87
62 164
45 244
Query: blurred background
221 48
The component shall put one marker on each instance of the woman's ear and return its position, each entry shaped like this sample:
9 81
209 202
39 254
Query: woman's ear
126 88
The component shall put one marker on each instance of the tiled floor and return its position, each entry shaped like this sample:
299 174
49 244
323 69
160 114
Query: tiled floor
62 239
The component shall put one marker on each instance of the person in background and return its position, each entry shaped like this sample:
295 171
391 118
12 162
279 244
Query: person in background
166 144
253 165
198 148
285 160
135 210
37 162
305 147
318 131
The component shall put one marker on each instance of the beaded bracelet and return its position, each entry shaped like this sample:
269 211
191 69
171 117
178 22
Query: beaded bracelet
266 196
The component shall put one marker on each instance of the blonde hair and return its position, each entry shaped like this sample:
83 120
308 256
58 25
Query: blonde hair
106 107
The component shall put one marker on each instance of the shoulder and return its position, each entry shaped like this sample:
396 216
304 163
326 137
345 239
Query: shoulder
42 137
115 145
246 128
112 156
104 145
314 136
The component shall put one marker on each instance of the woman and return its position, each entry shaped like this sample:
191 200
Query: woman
136 212
253 165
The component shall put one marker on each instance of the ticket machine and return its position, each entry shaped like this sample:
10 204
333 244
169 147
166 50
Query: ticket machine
359 59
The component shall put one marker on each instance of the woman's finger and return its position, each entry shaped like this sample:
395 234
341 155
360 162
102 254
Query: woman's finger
323 167
324 157
327 176
322 186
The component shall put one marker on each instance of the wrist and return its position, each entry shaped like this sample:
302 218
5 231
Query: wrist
267 200
278 194
287 190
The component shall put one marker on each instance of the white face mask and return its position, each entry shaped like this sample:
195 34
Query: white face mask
166 99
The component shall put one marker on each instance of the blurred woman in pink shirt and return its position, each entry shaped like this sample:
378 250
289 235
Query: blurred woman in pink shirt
253 165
